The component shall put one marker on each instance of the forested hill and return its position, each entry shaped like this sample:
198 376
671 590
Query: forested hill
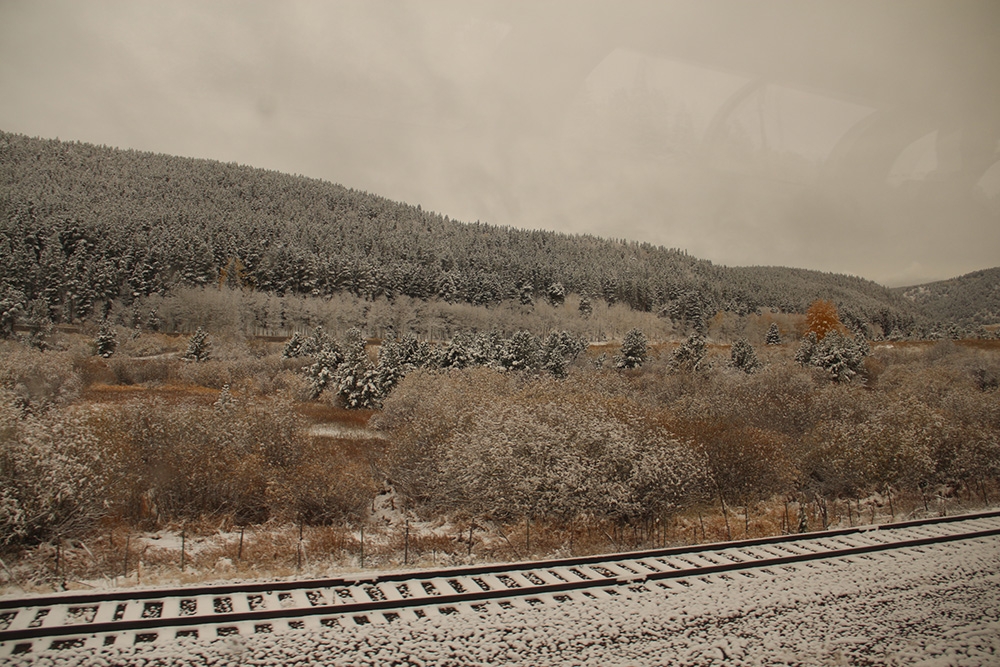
82 224
972 299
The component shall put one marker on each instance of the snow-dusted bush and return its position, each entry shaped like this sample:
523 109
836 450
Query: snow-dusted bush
53 482
567 455
548 450
38 379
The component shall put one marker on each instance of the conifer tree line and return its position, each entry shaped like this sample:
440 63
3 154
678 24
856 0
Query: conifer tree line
82 226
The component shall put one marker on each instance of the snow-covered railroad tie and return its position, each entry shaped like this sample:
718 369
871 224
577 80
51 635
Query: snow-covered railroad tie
41 623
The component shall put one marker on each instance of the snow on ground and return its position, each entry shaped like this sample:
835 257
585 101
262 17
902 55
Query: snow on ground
933 607
333 430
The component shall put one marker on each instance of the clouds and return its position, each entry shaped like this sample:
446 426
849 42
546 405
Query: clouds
577 117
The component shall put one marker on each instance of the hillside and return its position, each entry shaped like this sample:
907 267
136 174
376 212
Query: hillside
81 225
972 299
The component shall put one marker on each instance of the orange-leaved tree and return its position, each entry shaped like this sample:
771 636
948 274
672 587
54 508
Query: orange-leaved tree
821 318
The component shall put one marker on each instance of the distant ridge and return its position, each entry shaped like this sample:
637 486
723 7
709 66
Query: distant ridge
81 223
971 299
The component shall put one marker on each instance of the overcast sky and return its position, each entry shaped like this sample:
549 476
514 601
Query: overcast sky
844 136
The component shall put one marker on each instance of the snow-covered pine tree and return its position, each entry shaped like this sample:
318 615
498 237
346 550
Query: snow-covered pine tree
11 307
316 343
293 348
773 336
487 349
199 348
691 354
557 294
390 369
106 341
526 294
585 307
743 356
355 378
322 373
842 356
520 352
633 352
554 355
806 349
458 353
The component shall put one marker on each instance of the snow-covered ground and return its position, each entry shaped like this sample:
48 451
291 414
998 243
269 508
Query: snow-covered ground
929 606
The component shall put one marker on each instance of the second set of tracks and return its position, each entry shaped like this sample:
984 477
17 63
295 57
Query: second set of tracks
92 620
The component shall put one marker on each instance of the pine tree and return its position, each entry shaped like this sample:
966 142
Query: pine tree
806 349
554 355
527 294
356 378
743 356
458 353
106 341
323 371
841 356
691 354
293 348
773 336
225 402
199 347
633 351
586 308
316 343
557 294
520 352
11 307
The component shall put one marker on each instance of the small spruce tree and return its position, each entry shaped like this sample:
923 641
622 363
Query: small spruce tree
633 352
199 347
773 336
106 340
743 356
293 348
11 307
691 354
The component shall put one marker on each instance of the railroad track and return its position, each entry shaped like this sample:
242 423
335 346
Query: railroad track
93 620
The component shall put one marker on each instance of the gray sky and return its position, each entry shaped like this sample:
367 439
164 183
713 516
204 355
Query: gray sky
844 135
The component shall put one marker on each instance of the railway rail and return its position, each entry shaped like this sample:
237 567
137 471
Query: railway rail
92 620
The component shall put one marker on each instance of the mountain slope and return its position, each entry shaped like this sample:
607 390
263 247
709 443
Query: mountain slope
83 224
971 299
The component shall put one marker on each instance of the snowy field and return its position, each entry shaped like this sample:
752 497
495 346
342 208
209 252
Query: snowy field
929 606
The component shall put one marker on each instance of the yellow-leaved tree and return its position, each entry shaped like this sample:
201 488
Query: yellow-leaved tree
821 318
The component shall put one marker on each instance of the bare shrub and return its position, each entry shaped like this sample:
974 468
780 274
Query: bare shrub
184 460
126 370
52 478
549 450
38 379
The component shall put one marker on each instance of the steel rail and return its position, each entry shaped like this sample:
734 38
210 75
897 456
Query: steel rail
467 570
621 561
